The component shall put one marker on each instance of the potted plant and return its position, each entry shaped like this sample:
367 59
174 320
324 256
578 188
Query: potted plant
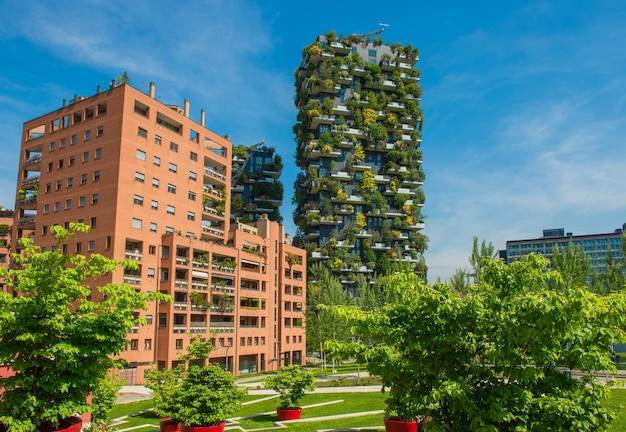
291 382
57 342
205 398
163 384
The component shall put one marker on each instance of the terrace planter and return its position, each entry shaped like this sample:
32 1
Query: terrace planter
289 413
394 425
70 424
169 426
214 428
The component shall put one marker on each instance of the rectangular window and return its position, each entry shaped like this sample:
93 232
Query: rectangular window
93 222
155 182
142 132
98 153
149 316
94 198
169 230
171 188
194 136
371 52
85 156
153 228
83 179
92 245
173 167
71 161
171 209
102 108
59 184
147 344
193 176
154 205
68 204
173 147
162 320
179 344
44 230
46 208
57 206
60 163
136 223
157 139
138 199
152 249
79 247
96 176
81 201
48 187
157 161
50 166
87 135
89 113
52 146
191 195
70 182
134 344
62 143
193 156
73 140
139 177
107 245
141 155
100 130
191 216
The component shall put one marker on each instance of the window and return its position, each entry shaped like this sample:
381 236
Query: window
52 146
79 247
173 167
62 143
149 316
157 161
154 205
93 222
60 163
85 156
49 166
64 249
48 187
162 320
44 230
193 156
71 161
191 216
92 245
46 208
134 344
87 135
102 108
59 184
147 344
137 223
171 209
100 131
107 245
73 140
94 198
98 153
57 206
89 113
152 249
153 228
139 177
155 182
68 204
179 344
191 195
371 52
142 132
169 230
173 147
70 182
157 139
83 179
193 176
141 155
138 199
96 176
171 188
81 201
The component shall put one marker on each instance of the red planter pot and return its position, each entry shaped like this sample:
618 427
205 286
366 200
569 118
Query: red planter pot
169 426
392 425
214 428
289 414
70 424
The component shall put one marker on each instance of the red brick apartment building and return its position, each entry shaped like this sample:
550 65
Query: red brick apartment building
154 186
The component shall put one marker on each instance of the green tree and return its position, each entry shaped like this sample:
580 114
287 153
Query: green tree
573 265
459 281
478 256
104 397
57 340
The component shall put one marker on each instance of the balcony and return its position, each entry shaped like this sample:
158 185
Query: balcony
211 172
213 231
321 119
132 280
30 181
181 283
341 175
203 286
198 327
180 328
26 221
362 166
340 48
395 106
133 254
341 110
181 306
36 160
222 288
213 192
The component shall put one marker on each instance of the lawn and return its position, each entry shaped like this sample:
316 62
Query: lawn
352 403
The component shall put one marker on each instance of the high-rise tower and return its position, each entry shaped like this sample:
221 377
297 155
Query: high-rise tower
358 133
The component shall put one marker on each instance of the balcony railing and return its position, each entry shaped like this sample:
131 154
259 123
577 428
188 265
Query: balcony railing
133 254
214 173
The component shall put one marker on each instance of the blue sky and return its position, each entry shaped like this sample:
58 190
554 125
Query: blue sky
524 102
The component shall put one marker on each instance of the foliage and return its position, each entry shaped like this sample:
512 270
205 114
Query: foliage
163 384
496 360
57 340
104 397
5 229
573 265
291 382
477 257
122 79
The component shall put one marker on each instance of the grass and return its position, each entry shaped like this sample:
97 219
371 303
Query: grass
352 403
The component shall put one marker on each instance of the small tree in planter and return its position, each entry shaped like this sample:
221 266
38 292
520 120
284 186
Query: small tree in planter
57 342
163 384
291 382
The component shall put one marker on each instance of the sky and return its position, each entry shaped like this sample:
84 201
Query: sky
524 101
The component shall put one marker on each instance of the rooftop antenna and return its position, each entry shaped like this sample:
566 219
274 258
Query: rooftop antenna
375 32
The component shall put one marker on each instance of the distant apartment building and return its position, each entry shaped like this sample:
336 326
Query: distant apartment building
359 197
256 188
155 187
595 246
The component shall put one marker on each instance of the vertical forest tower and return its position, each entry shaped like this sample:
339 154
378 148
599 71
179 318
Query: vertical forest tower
358 132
